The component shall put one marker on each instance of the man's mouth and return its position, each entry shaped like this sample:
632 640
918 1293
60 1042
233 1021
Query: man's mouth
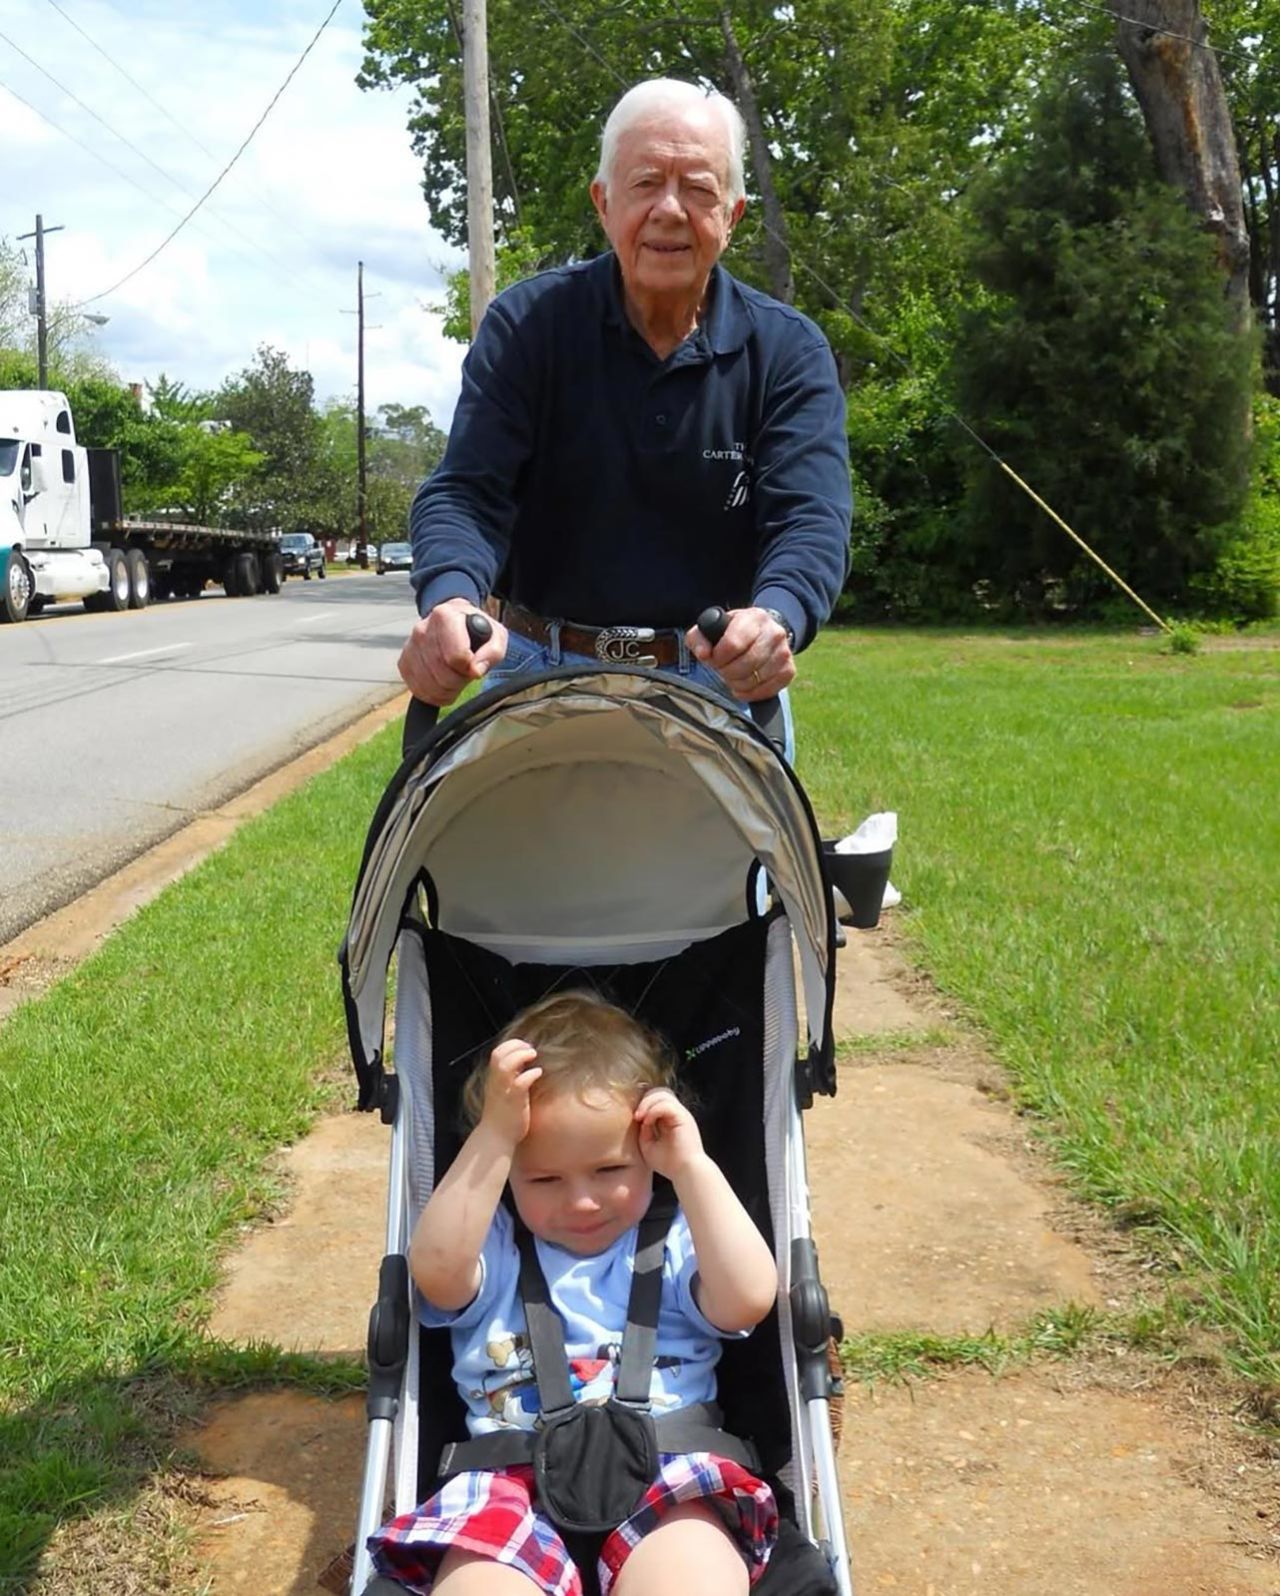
666 249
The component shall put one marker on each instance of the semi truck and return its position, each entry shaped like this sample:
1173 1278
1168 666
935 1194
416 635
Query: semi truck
64 536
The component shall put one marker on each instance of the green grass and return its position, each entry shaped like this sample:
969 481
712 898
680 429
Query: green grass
139 1104
1089 851
1089 854
1055 1333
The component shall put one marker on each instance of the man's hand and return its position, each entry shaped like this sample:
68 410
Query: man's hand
753 657
437 662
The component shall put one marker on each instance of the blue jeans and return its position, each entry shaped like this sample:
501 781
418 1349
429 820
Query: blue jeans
524 657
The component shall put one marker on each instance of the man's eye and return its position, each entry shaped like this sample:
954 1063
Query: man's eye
543 1180
610 1169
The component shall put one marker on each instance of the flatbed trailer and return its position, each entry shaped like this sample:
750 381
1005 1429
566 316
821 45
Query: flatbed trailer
63 536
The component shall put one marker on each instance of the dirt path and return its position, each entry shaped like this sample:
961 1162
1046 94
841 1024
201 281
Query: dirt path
933 1213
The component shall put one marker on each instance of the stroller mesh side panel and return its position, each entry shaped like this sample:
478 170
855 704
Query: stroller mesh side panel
781 1029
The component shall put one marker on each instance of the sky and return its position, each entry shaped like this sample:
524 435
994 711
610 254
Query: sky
328 180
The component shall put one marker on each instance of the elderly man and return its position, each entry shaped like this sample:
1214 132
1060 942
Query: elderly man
639 436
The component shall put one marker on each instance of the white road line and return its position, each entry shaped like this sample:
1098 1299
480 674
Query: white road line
321 615
144 653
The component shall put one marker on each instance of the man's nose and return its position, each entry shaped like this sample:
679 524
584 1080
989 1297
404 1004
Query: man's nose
668 202
583 1199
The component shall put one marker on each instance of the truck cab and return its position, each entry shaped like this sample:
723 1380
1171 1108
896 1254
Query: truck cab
44 505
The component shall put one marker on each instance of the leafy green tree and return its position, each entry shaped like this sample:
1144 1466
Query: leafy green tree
874 117
273 405
1104 366
15 317
213 465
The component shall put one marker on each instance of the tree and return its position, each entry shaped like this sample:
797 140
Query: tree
1106 366
866 123
272 404
214 467
15 316
1247 34
1180 90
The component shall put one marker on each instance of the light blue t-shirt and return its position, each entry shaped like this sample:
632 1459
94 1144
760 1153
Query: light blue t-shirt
492 1360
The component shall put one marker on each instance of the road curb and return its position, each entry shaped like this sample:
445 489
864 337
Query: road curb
67 936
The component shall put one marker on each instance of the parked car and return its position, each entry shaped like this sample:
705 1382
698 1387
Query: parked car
395 557
302 555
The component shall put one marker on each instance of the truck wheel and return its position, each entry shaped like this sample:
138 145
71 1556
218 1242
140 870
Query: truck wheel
272 573
139 579
118 587
320 572
231 576
18 587
247 574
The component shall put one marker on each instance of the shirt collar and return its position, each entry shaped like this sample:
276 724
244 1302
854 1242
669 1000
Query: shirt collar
725 327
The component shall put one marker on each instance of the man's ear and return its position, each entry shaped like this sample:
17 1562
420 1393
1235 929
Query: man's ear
735 215
600 199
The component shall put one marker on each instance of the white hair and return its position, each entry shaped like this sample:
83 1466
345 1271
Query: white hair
644 101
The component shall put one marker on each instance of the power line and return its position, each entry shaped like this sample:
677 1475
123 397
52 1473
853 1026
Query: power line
130 79
87 148
142 265
270 206
140 153
1168 33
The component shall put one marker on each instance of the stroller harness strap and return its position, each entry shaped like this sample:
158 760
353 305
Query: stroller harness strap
593 1462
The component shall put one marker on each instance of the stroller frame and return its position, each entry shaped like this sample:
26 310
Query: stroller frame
410 882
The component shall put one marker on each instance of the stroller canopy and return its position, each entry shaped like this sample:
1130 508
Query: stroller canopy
587 817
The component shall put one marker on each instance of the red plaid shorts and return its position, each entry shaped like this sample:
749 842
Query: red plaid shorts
493 1514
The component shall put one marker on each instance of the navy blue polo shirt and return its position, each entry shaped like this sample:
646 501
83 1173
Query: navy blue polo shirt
590 481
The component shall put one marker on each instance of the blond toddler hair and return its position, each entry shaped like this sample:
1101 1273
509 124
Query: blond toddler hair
584 1044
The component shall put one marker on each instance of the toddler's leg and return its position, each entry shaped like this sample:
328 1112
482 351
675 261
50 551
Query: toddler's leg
471 1574
689 1550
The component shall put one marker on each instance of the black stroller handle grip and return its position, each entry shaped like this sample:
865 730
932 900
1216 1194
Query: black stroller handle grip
713 623
479 629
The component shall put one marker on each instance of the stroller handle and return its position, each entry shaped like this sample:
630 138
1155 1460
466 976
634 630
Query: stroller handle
713 623
479 629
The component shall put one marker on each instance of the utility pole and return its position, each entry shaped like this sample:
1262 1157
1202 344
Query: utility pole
360 471
475 61
42 322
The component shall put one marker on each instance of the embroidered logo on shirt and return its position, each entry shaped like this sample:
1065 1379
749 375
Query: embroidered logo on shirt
740 492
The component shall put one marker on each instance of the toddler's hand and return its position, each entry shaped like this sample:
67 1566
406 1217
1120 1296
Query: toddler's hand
669 1137
506 1090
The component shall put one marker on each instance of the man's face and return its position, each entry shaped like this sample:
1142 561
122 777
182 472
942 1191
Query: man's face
665 210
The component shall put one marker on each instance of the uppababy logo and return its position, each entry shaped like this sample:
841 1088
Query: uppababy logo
691 1053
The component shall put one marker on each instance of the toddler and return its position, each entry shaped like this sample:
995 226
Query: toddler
573 1111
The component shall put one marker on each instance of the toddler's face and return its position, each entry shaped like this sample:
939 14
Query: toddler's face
578 1178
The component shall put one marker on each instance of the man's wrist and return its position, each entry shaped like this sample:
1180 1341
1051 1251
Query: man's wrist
785 624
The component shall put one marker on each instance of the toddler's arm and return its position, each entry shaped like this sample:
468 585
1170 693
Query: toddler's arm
737 1277
444 1253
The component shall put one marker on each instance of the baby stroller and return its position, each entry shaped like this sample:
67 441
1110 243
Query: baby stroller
605 828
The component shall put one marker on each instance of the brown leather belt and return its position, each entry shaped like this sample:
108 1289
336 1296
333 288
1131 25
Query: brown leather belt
612 645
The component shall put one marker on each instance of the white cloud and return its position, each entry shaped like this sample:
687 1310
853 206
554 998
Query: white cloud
329 179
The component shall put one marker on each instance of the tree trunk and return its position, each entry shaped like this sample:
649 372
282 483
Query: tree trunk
777 252
1180 91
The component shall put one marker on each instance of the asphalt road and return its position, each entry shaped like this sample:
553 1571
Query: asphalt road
115 730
